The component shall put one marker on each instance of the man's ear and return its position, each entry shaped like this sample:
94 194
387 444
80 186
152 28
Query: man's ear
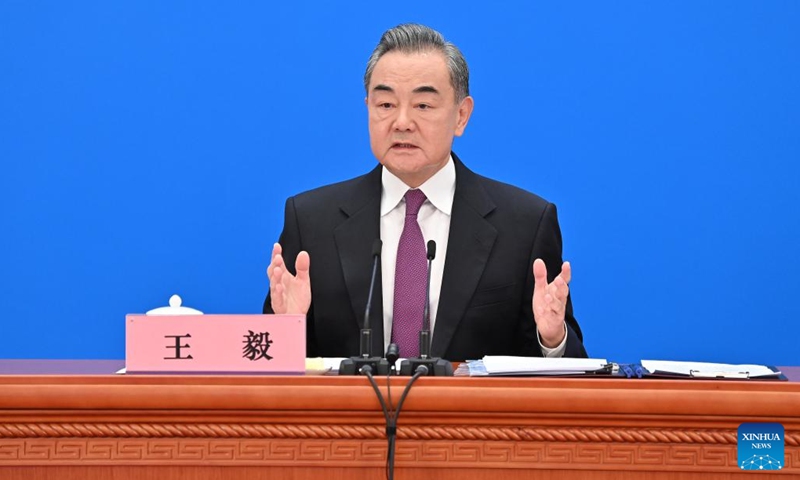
464 112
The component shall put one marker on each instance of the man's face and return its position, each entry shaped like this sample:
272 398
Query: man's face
413 115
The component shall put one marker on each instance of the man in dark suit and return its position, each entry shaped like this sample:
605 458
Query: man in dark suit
498 285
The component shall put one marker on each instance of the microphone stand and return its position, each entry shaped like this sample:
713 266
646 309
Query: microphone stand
354 365
434 367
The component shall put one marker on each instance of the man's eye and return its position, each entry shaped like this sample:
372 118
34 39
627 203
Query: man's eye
385 105
424 106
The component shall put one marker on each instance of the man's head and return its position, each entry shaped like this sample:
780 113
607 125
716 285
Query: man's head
418 100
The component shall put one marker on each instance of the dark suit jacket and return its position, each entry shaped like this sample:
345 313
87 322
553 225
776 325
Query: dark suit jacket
496 232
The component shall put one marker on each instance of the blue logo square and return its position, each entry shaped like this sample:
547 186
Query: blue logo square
760 446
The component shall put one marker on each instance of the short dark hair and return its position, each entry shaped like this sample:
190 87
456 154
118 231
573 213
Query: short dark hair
416 38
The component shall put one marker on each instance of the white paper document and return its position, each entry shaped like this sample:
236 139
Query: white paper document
505 365
708 370
323 366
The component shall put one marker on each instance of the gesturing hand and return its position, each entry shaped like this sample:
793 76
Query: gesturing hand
550 302
289 293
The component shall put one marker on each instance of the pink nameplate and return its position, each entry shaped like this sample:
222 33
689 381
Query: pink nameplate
215 344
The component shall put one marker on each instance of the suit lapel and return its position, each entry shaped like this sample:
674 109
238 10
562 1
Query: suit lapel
469 244
354 239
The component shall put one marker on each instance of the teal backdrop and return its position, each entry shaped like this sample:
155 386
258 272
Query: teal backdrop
148 147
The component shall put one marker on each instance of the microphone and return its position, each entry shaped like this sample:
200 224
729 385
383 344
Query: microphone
366 332
392 354
425 363
353 365
425 333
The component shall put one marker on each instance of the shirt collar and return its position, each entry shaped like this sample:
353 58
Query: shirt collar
439 189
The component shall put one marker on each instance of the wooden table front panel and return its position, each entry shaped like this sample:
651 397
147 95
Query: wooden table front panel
102 426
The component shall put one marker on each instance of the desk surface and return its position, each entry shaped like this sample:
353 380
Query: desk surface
107 367
72 416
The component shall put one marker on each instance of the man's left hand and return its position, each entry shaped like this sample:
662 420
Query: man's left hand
550 302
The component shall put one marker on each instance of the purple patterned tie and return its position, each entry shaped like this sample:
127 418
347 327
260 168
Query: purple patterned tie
409 280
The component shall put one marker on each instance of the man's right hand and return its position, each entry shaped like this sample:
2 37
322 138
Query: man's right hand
289 293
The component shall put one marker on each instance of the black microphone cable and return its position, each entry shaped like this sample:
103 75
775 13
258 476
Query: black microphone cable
391 431
392 354
388 411
391 415
367 370
394 416
421 370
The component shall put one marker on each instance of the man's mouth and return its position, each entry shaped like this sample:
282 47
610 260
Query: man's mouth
401 145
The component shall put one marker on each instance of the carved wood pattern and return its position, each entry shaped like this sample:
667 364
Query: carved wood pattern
371 453
411 432
464 428
336 445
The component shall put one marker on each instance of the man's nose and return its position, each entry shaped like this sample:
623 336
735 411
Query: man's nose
403 122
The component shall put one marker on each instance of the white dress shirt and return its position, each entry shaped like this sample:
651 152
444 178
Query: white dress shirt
434 221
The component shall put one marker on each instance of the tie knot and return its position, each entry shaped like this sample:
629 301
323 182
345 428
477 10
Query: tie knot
414 200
